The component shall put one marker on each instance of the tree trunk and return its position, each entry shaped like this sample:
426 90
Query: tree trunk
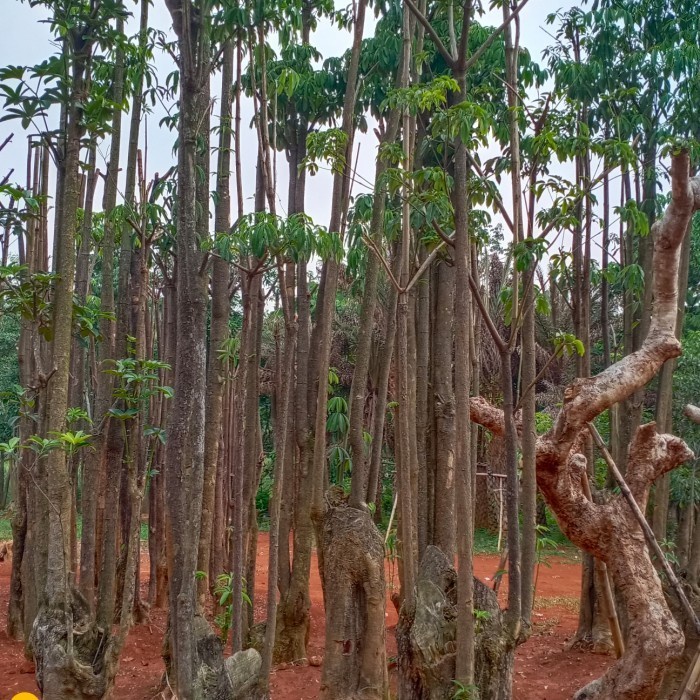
444 412
218 330
664 393
52 641
355 656
426 637
189 635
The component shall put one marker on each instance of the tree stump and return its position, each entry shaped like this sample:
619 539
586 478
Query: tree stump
426 634
352 555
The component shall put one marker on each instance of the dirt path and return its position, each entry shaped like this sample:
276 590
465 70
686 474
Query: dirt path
544 669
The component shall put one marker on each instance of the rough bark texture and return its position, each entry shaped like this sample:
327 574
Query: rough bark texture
610 531
60 673
426 637
444 412
184 454
218 328
106 348
353 580
54 591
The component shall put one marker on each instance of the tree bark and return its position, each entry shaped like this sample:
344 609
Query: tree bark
355 655
184 457
218 330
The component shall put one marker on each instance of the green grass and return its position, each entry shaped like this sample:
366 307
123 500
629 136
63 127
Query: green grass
486 542
6 528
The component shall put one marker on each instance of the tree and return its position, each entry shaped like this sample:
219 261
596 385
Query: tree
653 633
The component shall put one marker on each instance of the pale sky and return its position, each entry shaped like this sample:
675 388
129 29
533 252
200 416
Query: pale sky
29 42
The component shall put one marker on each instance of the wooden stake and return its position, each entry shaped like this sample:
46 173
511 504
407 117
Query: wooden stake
391 518
498 576
689 690
500 514
601 574
648 533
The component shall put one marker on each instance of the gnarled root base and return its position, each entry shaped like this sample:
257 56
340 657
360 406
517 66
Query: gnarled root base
426 634
353 571
292 630
234 678
78 675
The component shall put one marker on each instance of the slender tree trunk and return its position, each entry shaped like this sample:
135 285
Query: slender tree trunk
106 349
407 506
444 412
54 625
218 330
184 455
358 389
374 494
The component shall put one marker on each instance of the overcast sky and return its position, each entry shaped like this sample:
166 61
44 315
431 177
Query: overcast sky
29 42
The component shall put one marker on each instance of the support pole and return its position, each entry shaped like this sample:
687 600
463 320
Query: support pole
648 533
603 580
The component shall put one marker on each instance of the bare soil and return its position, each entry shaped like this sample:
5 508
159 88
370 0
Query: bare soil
544 670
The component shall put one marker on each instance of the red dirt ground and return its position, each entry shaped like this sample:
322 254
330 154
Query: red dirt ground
544 668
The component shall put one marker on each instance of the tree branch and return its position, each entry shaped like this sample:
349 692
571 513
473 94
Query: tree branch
588 397
498 201
434 37
485 46
500 343
370 244
490 417
419 273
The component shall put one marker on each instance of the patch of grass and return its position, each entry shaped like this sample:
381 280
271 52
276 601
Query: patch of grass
485 542
6 528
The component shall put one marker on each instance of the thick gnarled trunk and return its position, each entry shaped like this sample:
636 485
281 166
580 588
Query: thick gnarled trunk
609 531
426 637
353 579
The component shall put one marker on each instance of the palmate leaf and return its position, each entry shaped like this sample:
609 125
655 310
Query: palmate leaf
9 447
123 414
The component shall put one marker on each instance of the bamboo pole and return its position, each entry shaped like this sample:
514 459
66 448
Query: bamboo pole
500 514
648 533
601 573
391 518
690 689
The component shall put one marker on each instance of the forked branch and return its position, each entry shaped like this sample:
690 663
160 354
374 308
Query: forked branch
587 398
611 531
